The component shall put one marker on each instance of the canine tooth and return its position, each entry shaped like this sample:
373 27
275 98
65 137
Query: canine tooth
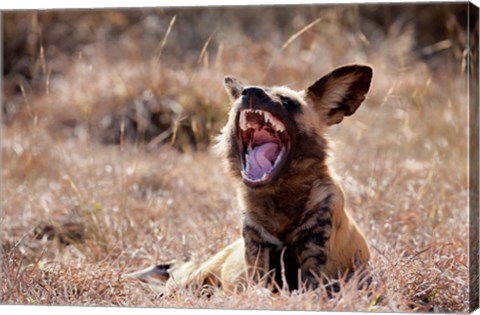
279 158
267 117
276 160
243 121
247 167
279 127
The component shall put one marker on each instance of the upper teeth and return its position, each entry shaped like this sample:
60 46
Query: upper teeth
269 118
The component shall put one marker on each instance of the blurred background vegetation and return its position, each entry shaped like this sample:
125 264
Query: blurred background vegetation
162 67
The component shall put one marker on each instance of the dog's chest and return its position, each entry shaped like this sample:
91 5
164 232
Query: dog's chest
277 214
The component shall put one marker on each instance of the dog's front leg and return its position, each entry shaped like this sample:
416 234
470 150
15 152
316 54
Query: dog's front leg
258 253
312 257
310 241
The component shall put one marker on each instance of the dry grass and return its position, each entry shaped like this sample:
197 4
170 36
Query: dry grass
77 213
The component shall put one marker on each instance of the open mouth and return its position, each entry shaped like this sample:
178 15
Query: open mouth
264 143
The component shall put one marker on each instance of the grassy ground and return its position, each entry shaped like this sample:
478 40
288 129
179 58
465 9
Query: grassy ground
107 121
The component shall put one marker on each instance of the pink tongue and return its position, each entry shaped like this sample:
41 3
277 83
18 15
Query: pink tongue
260 160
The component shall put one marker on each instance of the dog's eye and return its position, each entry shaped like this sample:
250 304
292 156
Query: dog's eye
290 105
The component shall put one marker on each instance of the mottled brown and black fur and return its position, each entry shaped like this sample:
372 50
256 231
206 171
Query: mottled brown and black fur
296 213
295 227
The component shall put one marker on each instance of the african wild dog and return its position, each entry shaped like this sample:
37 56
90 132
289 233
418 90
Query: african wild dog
295 227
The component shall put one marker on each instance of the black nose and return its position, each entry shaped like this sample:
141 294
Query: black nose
255 93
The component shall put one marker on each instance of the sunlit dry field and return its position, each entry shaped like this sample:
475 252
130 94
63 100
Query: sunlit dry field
108 120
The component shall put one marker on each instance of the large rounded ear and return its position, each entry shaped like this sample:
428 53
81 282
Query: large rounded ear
340 93
233 87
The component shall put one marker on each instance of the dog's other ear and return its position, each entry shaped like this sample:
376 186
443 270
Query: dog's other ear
340 92
233 87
